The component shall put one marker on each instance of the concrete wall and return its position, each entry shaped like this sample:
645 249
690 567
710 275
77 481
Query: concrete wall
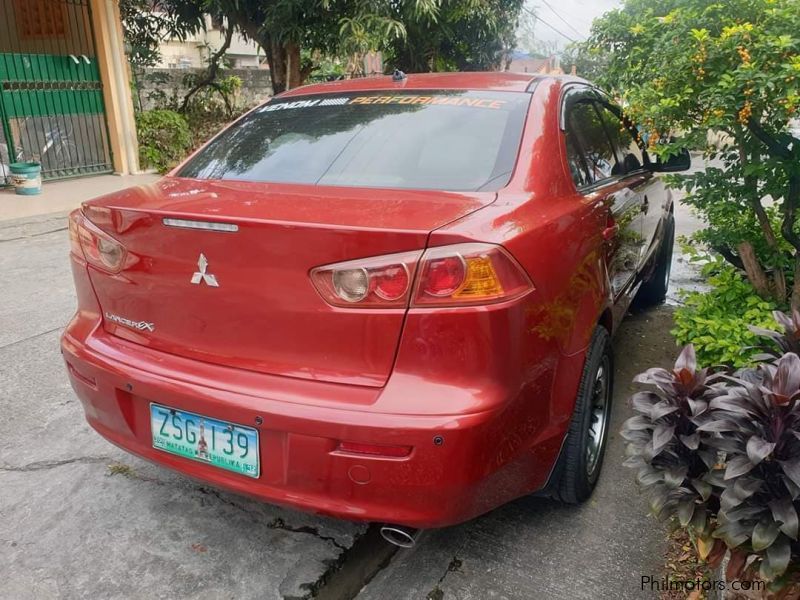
176 54
158 85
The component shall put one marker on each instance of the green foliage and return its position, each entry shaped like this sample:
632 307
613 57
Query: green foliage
324 68
590 63
716 322
721 197
164 138
693 62
145 26
464 35
414 35
717 451
684 67
219 95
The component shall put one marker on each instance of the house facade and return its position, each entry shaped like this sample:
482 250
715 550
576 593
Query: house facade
193 52
65 97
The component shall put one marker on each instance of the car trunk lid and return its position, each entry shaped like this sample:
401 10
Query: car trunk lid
263 314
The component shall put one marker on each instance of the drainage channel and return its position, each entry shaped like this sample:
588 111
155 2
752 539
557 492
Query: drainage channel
357 566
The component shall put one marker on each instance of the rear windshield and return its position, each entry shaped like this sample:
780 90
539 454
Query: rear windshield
443 140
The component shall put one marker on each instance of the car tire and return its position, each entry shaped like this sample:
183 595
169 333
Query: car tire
578 466
654 289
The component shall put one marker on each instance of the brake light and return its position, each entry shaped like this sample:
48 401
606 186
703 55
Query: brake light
471 273
392 282
97 247
461 274
443 276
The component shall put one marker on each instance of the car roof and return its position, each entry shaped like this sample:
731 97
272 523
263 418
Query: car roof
487 80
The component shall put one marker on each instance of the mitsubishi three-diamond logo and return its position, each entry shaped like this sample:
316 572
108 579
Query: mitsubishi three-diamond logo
202 275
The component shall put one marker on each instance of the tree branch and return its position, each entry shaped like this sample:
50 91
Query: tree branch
790 202
754 198
754 270
211 74
729 256
775 149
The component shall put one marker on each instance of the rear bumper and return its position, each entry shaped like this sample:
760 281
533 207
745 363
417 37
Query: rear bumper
436 485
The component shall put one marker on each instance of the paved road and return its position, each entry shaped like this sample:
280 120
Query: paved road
80 518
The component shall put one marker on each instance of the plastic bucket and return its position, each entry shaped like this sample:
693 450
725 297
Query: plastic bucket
27 178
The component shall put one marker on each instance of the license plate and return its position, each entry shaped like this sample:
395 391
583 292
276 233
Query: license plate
211 441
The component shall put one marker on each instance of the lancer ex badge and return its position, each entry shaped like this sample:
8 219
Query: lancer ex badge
140 325
202 274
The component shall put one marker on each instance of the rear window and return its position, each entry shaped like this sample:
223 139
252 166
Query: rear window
443 140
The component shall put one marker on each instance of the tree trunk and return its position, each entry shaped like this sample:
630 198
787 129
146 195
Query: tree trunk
751 187
274 51
276 57
778 276
294 77
284 64
754 271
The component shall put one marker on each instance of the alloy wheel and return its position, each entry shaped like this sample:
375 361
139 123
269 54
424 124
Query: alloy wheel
599 416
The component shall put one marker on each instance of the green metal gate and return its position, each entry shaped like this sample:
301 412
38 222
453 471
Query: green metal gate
51 97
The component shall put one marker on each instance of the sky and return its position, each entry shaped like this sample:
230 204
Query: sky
572 18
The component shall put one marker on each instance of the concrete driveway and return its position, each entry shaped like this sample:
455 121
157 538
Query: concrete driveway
81 519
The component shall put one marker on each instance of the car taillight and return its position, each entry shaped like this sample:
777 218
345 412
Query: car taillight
464 274
461 274
379 282
97 247
74 236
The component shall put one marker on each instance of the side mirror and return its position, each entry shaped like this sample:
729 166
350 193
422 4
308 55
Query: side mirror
677 162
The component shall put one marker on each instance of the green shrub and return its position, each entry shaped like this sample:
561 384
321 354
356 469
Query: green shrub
164 139
718 453
716 321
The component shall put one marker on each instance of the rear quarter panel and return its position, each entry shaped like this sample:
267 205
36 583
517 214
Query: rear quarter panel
556 235
552 230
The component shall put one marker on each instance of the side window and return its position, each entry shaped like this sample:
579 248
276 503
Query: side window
630 157
575 159
598 154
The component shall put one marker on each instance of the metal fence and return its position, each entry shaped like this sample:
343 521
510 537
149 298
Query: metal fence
51 98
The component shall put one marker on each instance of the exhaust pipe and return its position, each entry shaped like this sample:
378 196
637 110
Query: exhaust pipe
398 535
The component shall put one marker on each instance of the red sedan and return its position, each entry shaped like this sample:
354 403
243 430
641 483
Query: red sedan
387 299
